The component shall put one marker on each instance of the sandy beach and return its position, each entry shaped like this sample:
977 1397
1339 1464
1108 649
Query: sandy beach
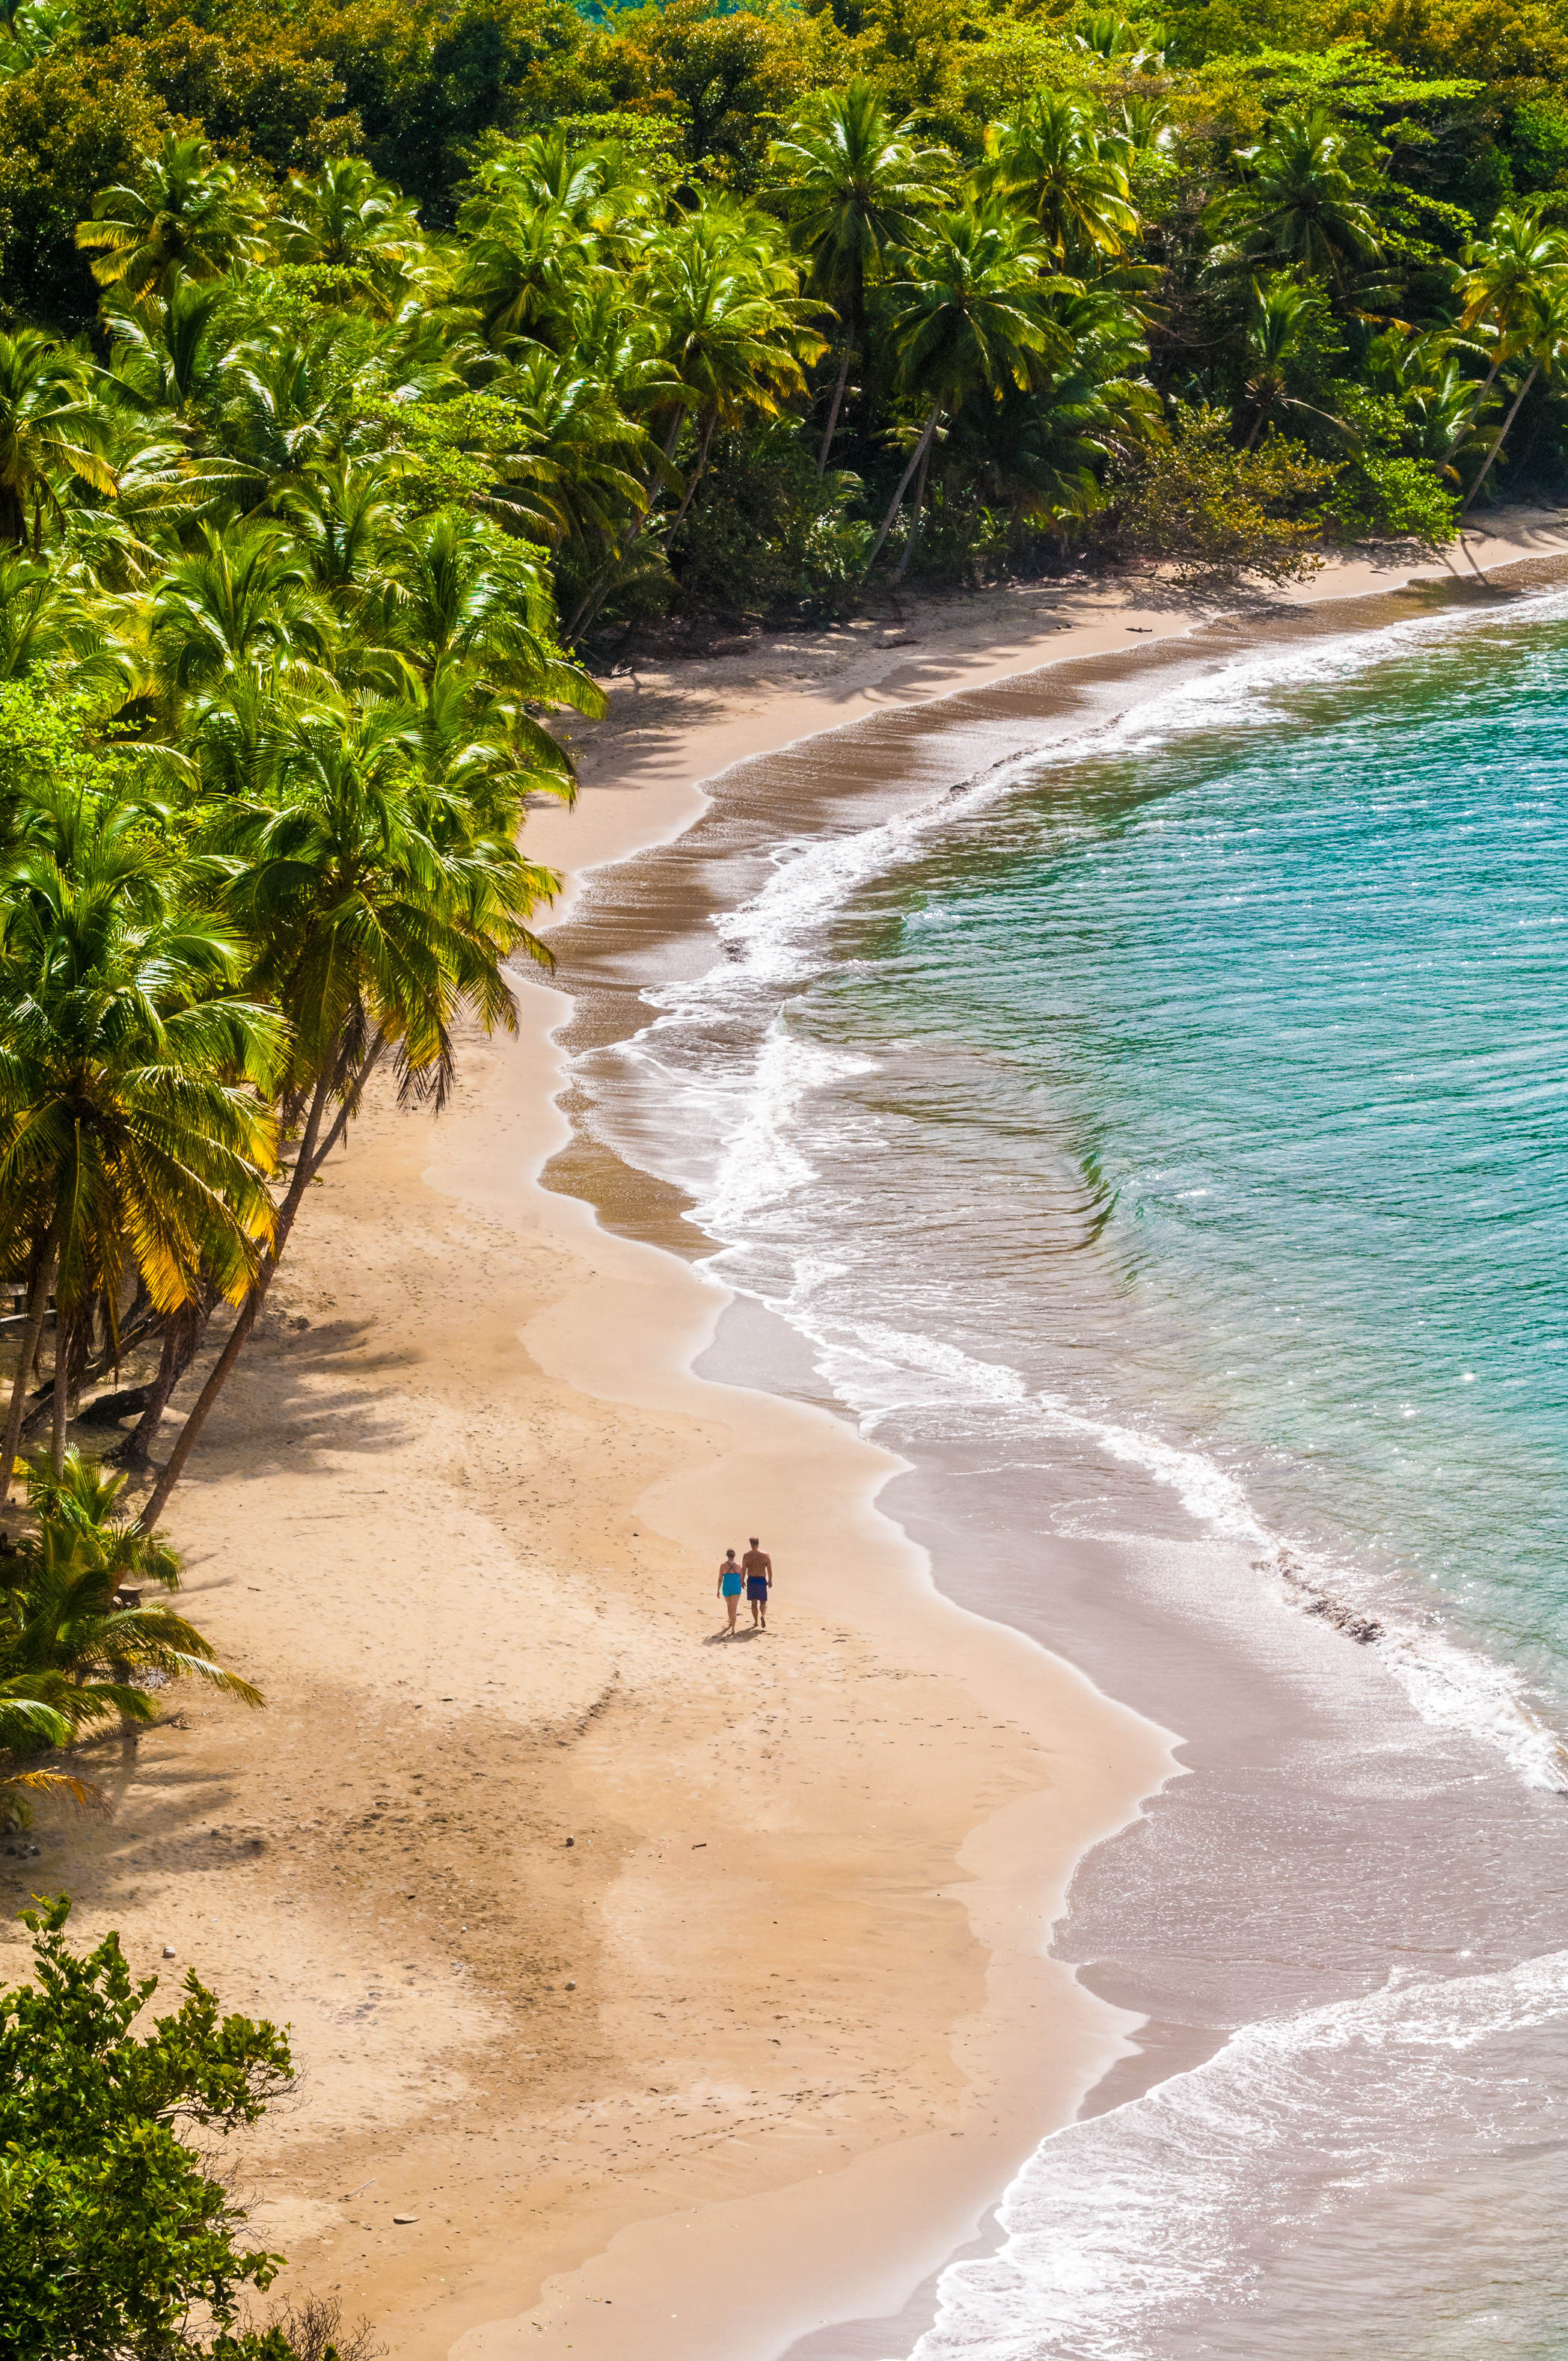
695 1993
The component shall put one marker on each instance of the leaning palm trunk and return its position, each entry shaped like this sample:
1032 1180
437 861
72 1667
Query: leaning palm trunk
65 1326
38 1310
698 473
836 405
1498 441
914 520
181 1340
916 456
313 1153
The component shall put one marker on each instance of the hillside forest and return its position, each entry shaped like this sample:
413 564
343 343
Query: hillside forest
372 373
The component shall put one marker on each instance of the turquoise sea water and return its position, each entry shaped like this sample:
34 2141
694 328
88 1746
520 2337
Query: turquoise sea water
1284 998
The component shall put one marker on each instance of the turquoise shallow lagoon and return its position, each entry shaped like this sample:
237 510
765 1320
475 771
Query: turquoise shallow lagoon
1285 996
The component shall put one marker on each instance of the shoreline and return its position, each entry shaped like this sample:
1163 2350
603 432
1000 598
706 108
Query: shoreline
449 1481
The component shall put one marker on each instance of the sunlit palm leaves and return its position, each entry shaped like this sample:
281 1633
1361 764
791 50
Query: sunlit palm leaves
51 433
182 212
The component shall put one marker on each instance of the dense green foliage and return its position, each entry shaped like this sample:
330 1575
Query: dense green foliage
117 2236
607 275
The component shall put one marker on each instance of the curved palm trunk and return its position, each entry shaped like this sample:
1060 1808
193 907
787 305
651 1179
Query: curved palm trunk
38 1311
915 521
64 1342
836 405
916 456
181 1341
698 473
313 1153
594 598
1498 441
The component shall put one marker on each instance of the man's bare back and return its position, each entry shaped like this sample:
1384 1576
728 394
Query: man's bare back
758 1569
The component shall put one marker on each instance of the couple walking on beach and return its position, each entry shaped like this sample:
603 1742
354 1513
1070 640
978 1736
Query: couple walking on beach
756 1571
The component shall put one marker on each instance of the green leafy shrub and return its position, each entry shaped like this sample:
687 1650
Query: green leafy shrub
1218 514
114 2228
766 531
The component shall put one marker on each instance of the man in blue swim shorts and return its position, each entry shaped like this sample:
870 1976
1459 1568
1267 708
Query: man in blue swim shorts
758 1567
729 1580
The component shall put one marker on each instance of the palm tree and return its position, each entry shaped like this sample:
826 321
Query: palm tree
1282 314
568 467
243 597
347 217
383 917
595 187
1509 276
1540 336
50 431
65 1642
1303 205
971 314
182 213
734 329
1053 161
340 517
523 269
171 353
133 1128
858 186
45 620
734 332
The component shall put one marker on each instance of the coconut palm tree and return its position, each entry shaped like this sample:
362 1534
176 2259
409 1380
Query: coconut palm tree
345 217
858 186
1509 276
134 1131
66 1643
523 269
182 213
1541 337
171 353
572 455
970 315
383 918
51 432
735 335
45 618
1304 202
242 597
340 516
1054 161
1282 314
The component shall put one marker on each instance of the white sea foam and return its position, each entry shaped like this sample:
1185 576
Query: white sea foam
884 1372
1120 2230
740 1141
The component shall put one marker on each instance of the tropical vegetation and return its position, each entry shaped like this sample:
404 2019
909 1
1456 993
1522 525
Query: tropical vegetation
117 2232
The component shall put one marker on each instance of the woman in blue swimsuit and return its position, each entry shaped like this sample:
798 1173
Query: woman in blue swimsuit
731 1581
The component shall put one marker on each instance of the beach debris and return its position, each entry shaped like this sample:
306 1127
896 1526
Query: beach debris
571 1841
1365 1629
571 1984
405 2217
169 1951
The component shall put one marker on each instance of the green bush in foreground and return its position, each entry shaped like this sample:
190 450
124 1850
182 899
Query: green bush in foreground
116 2236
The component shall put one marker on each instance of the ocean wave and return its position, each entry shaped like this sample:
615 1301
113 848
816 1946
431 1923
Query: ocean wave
1125 2229
885 1373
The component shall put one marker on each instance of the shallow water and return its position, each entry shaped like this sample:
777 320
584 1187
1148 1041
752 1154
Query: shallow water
1163 1146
